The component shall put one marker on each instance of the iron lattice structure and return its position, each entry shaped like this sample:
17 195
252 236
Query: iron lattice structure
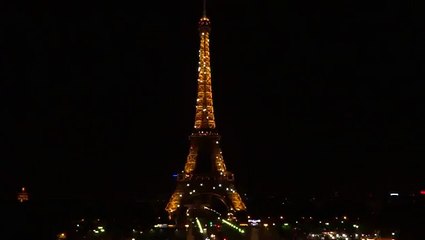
205 177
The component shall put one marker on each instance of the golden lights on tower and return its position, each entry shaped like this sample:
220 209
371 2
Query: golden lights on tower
204 116
204 139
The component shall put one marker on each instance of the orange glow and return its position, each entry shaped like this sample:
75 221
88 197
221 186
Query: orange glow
23 196
61 236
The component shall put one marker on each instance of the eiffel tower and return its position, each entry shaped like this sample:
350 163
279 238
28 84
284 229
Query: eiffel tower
205 181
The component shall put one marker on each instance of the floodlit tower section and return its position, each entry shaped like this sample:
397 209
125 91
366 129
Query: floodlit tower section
204 116
205 175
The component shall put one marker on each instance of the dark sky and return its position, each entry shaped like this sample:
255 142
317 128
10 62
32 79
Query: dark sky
309 96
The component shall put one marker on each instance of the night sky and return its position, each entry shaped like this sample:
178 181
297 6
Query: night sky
309 96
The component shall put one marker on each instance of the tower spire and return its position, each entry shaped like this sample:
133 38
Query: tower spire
204 13
204 116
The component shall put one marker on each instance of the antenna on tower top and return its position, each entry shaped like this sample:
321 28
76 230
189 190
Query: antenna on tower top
204 13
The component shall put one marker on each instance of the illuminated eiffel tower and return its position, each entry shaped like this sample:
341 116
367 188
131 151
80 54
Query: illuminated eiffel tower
205 181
